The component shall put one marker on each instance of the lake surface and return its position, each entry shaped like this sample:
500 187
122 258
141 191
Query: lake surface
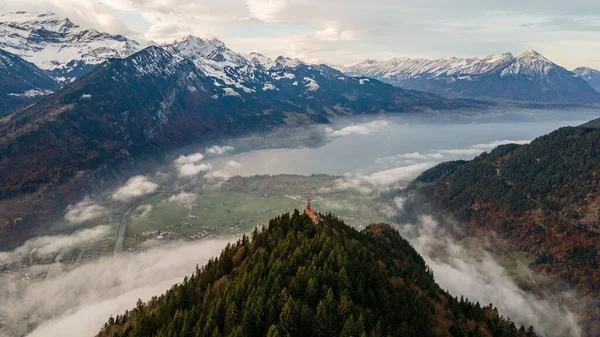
366 146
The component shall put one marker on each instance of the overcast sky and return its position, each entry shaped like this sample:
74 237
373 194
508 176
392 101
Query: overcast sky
347 31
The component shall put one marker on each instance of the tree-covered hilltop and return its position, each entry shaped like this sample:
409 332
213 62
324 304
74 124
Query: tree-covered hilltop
295 278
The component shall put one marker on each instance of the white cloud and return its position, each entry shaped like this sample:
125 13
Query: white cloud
189 166
266 10
230 169
190 170
400 202
83 211
135 187
413 158
51 244
333 33
192 158
219 150
359 129
143 211
379 181
85 296
477 276
183 198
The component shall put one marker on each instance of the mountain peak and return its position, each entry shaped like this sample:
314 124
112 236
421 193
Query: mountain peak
196 41
531 53
200 50
55 44
283 62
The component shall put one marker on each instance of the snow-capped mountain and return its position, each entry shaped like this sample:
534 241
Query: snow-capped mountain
528 77
592 76
260 61
58 46
21 82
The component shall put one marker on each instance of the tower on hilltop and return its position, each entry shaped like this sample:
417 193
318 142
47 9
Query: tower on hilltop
314 216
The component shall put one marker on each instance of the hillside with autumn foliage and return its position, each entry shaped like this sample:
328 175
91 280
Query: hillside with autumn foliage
542 198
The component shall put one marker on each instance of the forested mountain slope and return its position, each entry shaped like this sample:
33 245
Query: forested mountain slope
295 278
542 199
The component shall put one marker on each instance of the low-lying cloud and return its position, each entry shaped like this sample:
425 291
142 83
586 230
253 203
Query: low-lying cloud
143 211
136 186
441 155
379 181
230 169
83 211
358 129
83 298
51 244
479 277
190 166
183 198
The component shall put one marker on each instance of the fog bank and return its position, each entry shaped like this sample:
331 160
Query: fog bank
79 301
478 276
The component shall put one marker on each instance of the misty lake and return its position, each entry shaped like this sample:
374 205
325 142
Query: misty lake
364 146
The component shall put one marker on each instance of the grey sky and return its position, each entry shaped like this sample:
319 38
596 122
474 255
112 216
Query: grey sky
347 31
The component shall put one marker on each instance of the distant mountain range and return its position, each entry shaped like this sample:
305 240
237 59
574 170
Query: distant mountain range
529 77
64 51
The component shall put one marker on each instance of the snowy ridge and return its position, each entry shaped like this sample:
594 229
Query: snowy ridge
214 59
528 77
57 45
529 64
259 60
592 76
202 51
249 73
66 52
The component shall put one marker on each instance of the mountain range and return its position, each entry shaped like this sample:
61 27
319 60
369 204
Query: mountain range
162 98
529 77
